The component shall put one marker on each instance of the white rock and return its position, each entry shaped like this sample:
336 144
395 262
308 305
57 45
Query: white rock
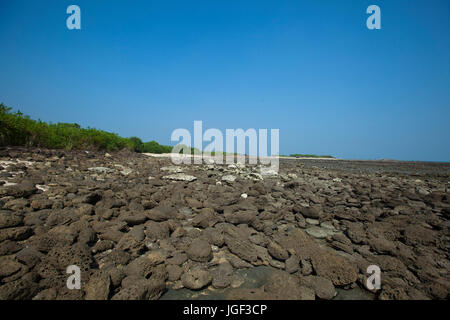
292 176
314 222
42 187
180 177
8 184
268 171
172 169
126 171
244 196
317 232
256 176
101 169
328 225
229 178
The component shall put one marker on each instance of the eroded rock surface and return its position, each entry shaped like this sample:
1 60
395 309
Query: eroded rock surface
137 226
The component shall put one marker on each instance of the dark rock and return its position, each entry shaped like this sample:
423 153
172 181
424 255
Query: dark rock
40 204
15 234
196 279
323 288
22 190
178 259
292 264
29 256
205 218
156 230
222 276
144 289
276 251
9 247
174 272
334 267
313 211
98 287
200 250
133 219
8 267
283 286
85 209
240 217
10 219
102 245
242 248
24 288
161 213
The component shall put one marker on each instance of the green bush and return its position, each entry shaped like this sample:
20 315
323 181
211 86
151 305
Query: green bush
155 147
17 129
297 155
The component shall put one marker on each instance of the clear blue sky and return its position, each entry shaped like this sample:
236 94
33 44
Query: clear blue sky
309 68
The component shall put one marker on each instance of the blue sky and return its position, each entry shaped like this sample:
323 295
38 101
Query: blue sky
309 68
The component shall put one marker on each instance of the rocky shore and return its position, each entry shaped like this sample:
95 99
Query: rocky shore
139 227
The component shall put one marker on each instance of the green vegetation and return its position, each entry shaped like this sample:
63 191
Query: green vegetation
16 129
297 155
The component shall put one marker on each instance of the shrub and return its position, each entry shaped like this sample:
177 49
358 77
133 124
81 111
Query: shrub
16 129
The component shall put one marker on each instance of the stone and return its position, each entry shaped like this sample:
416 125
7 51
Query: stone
15 234
156 230
243 249
180 177
318 232
22 190
98 287
174 272
8 247
283 286
200 251
314 222
161 213
323 288
133 219
292 264
313 212
178 259
8 267
143 289
222 275
334 267
276 251
85 209
101 170
228 178
10 219
196 279
205 218
29 256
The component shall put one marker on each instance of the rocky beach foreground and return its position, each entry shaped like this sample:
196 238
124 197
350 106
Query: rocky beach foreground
140 227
